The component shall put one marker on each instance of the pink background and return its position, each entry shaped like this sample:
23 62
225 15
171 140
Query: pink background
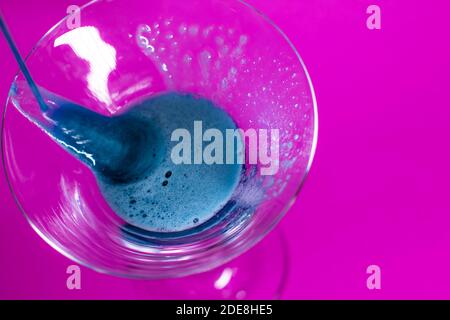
378 192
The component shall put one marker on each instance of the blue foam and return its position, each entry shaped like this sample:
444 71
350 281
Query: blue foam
130 155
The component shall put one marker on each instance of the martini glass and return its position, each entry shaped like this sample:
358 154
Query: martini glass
123 51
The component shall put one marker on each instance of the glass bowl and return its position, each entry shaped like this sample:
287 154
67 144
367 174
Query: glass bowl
124 50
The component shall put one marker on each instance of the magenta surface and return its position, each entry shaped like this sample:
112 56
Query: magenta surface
378 191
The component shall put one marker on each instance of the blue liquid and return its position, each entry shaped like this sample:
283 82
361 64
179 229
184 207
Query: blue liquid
130 156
